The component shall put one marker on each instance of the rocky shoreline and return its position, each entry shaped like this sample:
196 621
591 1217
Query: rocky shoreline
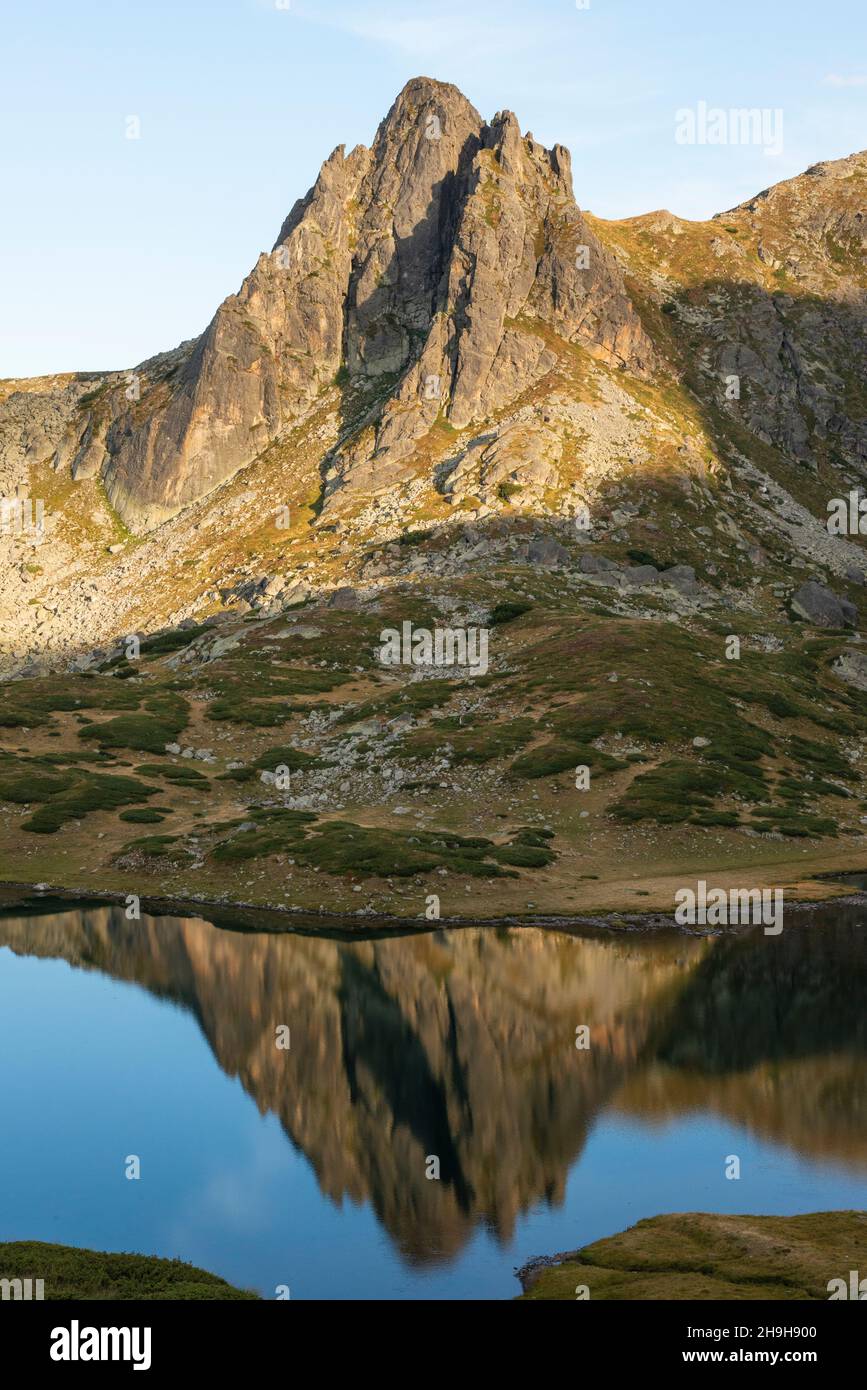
254 917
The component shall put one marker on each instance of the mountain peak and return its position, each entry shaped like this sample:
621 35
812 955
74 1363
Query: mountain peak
406 266
434 109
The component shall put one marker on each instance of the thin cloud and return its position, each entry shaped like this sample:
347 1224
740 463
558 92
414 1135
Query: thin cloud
836 79
432 31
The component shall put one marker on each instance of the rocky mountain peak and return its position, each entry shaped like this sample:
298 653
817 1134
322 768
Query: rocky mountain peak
414 270
418 102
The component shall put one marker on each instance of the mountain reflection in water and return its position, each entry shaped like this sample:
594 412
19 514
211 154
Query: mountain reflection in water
462 1044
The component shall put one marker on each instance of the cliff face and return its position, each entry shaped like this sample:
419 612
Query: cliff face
407 265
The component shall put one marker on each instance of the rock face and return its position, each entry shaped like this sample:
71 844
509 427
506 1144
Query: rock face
429 266
36 419
504 250
811 233
818 605
263 359
851 667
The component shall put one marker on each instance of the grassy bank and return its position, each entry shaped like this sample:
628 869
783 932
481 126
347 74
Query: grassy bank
95 1275
696 1255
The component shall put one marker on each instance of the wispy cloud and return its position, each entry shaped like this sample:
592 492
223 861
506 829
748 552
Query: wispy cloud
432 30
836 79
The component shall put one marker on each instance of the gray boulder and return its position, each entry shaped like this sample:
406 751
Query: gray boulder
682 578
639 575
545 551
344 598
596 564
851 667
816 604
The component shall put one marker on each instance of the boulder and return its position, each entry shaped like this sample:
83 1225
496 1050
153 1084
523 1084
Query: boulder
851 667
638 575
596 564
545 551
816 604
682 578
344 598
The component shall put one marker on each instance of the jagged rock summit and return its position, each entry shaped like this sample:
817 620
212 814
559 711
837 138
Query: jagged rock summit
406 267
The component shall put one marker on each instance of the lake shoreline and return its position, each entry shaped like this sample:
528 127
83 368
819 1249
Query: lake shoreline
708 1256
244 916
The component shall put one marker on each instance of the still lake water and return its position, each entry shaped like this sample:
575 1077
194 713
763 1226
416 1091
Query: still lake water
306 1166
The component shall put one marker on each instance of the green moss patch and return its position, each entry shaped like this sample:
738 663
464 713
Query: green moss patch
138 731
508 611
342 847
89 792
158 847
560 755
413 698
166 715
678 790
30 703
243 695
784 821
172 641
180 773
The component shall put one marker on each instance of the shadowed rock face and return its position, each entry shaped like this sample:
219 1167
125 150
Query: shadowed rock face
407 264
775 1040
461 1044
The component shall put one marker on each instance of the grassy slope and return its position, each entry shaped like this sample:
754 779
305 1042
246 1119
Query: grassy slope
769 793
695 1255
95 1275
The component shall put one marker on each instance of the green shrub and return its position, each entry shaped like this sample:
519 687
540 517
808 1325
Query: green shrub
507 611
93 792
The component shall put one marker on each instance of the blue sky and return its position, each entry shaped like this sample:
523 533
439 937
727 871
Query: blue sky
112 249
